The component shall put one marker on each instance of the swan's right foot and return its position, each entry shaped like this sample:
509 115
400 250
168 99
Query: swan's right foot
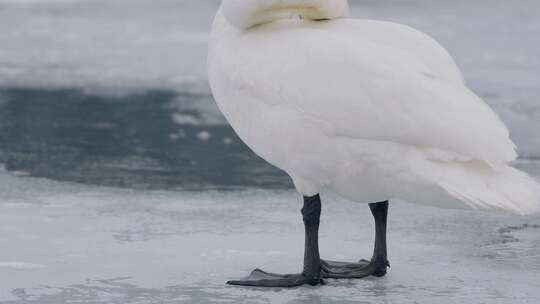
259 278
378 264
362 269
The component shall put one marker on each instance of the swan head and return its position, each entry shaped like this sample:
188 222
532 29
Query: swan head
245 14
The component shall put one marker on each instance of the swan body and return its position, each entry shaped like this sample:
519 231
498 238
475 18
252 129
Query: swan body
371 110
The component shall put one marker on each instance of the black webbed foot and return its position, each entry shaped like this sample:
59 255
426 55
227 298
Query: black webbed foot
259 278
362 269
316 269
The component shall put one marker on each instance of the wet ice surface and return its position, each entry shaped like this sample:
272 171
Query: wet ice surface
65 243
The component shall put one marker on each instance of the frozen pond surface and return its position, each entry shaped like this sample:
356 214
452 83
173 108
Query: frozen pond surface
66 243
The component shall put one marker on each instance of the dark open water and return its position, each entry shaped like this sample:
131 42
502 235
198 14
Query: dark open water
125 141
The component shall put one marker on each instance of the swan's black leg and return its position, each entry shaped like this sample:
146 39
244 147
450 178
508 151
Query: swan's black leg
311 273
377 265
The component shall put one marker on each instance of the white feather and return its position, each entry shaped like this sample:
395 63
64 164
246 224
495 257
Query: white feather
372 110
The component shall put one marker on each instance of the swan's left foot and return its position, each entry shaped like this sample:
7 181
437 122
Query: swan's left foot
311 274
362 269
259 278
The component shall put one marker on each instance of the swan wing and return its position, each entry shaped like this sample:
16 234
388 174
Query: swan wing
363 87
405 38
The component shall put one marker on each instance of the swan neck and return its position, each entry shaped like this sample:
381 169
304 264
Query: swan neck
251 13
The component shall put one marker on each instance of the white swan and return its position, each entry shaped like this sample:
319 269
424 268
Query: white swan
368 109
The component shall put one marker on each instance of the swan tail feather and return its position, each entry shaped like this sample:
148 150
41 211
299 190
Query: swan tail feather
484 186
